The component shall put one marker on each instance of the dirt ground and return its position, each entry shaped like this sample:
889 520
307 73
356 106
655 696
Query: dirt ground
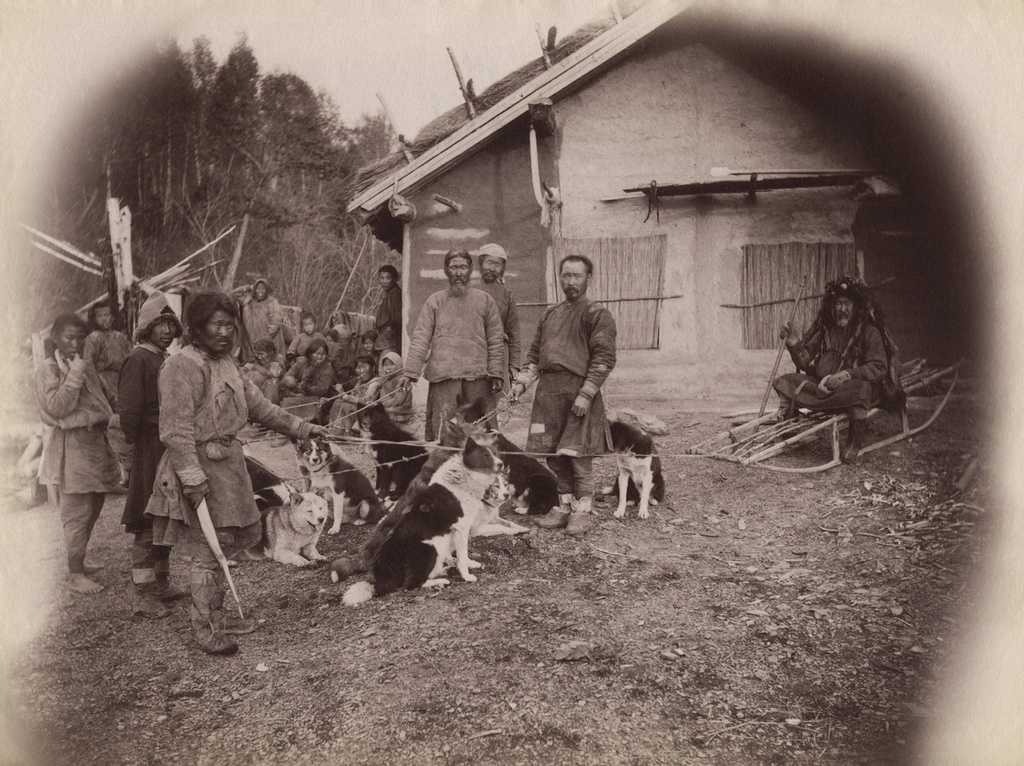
756 618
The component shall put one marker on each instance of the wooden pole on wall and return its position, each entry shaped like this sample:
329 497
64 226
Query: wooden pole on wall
120 219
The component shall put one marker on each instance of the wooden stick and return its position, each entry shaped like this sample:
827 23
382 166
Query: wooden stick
782 348
348 281
68 259
205 247
718 172
488 733
89 258
777 301
470 109
543 47
394 127
617 300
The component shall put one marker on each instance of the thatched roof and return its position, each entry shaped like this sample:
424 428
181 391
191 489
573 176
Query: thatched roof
443 126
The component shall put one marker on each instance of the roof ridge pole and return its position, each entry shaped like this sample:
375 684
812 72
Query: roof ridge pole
470 109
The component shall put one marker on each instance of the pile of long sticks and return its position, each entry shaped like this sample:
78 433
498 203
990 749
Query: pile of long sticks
184 271
170 279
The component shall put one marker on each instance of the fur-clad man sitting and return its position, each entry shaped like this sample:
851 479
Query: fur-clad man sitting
842 359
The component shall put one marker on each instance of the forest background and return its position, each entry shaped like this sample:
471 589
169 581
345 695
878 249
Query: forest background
192 146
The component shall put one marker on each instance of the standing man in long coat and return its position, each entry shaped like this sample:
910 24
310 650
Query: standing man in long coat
138 404
572 355
492 260
456 346
388 322
76 457
263 316
204 403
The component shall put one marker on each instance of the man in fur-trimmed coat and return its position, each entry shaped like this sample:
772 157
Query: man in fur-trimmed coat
841 360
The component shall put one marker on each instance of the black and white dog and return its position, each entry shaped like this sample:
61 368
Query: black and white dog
353 500
437 523
269 489
397 464
534 485
640 479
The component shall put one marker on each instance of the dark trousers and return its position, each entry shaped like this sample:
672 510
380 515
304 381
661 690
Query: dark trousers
442 402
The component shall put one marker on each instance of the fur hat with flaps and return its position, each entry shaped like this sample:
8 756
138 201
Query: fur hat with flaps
155 309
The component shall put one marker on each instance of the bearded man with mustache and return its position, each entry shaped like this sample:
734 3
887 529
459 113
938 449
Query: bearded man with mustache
842 359
458 346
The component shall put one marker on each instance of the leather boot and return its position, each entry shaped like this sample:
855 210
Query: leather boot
558 517
145 602
207 598
853 438
581 520
163 590
233 625
787 409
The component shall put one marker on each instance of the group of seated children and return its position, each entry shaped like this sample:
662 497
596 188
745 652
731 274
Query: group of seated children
328 378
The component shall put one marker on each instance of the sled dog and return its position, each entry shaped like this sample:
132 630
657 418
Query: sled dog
454 433
353 500
439 521
397 464
640 478
291 531
534 485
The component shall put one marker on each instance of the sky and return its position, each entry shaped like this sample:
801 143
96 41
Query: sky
355 49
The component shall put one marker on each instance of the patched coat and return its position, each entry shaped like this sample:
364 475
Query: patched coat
204 403
75 402
457 338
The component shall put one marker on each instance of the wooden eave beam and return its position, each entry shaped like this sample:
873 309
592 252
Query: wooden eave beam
549 84
748 186
542 116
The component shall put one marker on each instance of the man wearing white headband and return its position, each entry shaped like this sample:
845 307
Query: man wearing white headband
492 259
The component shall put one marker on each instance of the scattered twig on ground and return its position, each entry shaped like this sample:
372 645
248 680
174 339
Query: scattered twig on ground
613 553
828 737
755 722
488 733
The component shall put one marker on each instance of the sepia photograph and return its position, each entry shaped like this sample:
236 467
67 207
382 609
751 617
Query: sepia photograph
515 382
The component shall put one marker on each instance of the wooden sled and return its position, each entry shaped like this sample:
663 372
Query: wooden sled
759 440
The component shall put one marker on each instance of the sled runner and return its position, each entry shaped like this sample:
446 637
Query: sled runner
762 439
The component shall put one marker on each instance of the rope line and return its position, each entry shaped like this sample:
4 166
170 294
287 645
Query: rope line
325 399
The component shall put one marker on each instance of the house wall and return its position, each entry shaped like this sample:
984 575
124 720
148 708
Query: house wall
495 188
670 115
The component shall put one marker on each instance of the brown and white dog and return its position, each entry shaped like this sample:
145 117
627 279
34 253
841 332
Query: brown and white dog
292 531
